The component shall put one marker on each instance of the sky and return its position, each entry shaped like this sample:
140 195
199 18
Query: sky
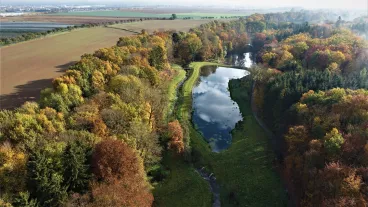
336 4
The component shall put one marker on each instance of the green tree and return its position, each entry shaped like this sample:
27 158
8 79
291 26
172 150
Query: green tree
174 16
157 57
338 22
256 26
25 200
76 158
333 141
45 176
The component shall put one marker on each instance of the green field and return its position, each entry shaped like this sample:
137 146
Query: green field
195 15
244 171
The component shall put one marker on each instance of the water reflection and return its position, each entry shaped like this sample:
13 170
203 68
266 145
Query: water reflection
243 60
215 114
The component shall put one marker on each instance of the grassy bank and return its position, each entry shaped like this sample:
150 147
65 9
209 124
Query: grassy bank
244 171
185 104
172 92
183 186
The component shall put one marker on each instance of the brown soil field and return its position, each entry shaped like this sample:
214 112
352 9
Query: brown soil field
27 68
61 19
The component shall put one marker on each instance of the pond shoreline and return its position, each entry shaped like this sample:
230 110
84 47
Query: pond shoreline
241 178
215 114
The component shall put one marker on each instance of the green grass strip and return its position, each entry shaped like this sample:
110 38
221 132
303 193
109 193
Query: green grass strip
183 187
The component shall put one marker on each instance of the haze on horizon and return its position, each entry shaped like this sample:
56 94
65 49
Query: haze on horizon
309 4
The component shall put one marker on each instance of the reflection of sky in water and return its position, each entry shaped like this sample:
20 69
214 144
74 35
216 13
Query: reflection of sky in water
244 60
215 114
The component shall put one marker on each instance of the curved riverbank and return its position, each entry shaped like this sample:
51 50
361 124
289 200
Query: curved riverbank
244 172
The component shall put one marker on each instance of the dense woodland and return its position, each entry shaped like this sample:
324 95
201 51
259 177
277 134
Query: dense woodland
310 89
97 136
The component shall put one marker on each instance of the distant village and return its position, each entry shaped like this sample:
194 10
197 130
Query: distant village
11 10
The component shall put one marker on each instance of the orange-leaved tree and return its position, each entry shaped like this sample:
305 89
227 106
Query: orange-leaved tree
120 178
176 136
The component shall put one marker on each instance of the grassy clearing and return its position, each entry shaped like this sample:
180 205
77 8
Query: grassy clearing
184 186
244 171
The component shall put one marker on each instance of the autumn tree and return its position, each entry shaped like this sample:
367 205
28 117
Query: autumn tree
189 47
12 171
176 137
120 176
130 88
26 126
145 141
63 98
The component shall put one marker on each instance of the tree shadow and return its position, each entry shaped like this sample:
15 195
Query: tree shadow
27 92
64 67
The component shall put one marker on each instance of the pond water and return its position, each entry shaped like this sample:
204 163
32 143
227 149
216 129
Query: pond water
215 114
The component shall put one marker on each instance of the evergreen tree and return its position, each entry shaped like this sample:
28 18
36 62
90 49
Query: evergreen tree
45 178
76 166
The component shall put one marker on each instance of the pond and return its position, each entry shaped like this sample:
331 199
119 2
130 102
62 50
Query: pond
215 114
